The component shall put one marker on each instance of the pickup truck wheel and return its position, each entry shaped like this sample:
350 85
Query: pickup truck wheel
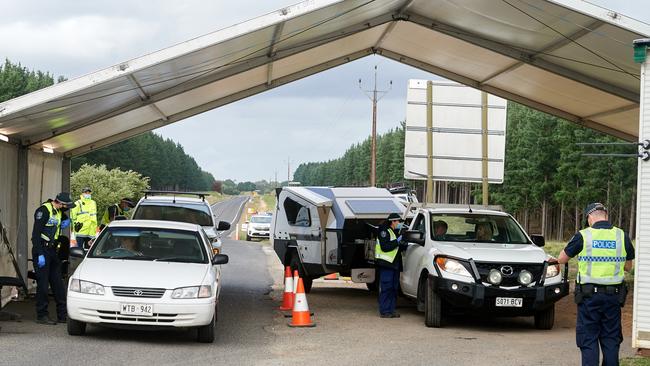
76 327
544 319
295 265
422 285
432 306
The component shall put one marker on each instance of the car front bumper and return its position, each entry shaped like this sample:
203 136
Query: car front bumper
167 312
478 296
258 233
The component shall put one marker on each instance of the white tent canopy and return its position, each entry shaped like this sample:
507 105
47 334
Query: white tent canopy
565 57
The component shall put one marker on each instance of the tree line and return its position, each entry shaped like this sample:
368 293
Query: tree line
548 179
162 160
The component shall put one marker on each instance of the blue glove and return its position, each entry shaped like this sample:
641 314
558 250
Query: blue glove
399 238
41 261
65 223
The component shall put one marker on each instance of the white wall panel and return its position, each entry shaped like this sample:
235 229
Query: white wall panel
8 204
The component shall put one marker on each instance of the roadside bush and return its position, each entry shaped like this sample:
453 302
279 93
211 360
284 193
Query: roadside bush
109 186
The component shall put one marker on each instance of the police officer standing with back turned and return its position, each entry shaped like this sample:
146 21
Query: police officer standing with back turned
604 253
47 266
84 216
389 264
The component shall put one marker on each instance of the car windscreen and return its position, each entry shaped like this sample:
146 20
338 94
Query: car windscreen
476 228
261 219
149 244
183 212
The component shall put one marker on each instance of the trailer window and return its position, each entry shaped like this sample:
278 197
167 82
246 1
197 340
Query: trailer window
297 214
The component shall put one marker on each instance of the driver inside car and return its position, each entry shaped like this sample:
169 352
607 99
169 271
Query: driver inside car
130 243
484 231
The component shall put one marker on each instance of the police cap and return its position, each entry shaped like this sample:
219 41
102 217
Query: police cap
593 207
64 198
394 217
128 202
86 189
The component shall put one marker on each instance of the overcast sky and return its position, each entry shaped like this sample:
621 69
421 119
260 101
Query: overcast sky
313 119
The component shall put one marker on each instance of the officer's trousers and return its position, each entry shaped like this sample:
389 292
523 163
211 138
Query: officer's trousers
388 284
599 322
50 274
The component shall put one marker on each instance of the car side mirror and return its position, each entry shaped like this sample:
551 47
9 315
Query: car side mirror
77 252
538 240
414 236
219 259
223 225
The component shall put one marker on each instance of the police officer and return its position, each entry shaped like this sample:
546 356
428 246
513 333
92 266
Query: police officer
604 253
47 266
84 216
118 209
389 265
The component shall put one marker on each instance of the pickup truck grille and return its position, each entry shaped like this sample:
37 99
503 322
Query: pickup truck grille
151 293
512 279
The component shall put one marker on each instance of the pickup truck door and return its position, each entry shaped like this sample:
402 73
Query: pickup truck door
412 259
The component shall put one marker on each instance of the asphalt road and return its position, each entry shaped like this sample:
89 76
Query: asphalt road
251 331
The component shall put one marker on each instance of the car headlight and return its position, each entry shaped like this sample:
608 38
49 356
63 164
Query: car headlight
525 277
495 277
192 292
86 287
552 270
452 266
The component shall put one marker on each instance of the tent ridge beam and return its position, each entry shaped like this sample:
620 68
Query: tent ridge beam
520 55
219 102
233 70
503 93
143 95
277 33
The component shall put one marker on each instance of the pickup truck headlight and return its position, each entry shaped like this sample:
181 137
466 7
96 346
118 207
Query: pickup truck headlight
86 287
192 292
552 270
452 266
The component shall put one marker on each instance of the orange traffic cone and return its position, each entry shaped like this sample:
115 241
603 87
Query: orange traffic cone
287 298
301 315
296 276
331 276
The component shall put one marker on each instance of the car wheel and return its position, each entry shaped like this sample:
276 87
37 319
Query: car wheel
544 319
76 327
295 265
432 306
205 333
248 238
422 288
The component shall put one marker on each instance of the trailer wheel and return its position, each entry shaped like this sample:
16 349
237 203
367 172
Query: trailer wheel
544 319
295 265
432 306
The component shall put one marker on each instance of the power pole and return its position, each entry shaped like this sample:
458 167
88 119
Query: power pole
276 179
374 95
288 170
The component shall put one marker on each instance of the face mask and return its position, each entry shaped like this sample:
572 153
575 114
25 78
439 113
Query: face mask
126 209
87 196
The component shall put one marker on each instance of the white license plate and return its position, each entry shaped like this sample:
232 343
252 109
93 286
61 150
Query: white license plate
510 302
136 309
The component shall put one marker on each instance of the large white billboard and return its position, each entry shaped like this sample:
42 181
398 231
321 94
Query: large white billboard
457 133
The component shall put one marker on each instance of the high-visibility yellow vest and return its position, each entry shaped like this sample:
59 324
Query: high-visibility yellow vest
603 256
51 230
386 256
85 212
106 217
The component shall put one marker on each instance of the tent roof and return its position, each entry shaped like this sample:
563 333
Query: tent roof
569 58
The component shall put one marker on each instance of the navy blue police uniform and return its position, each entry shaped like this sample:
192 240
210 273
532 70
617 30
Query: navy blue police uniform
599 312
49 273
389 272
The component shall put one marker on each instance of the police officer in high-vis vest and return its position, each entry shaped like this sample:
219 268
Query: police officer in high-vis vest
118 209
47 266
84 218
388 259
604 253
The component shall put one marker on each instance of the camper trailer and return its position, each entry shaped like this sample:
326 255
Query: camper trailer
322 230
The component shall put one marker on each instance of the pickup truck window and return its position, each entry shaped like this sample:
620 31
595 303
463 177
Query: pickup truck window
190 213
476 228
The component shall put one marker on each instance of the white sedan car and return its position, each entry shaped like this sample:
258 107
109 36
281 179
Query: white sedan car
147 274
